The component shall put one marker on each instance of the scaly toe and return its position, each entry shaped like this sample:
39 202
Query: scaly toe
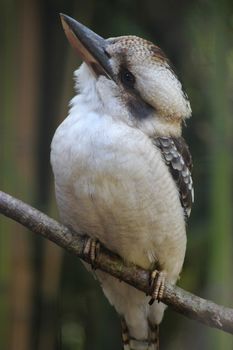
91 250
157 283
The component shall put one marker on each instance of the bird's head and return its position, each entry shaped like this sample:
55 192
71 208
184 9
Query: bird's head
132 77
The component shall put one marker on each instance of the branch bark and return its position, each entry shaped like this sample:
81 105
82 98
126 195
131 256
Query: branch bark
188 304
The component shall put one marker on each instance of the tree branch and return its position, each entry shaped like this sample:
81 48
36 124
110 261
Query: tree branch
183 302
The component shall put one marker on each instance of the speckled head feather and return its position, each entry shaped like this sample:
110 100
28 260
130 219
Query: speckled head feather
131 45
155 82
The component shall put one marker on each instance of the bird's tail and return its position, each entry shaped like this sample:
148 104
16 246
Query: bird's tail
153 336
152 343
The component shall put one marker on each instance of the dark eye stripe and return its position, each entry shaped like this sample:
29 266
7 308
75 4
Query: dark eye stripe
136 105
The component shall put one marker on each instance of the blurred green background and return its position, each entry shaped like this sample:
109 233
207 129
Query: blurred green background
47 300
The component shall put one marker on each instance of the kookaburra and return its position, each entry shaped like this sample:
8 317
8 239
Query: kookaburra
122 169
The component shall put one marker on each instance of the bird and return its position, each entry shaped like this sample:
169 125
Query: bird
122 169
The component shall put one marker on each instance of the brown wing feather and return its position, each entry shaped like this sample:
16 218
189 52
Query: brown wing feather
178 158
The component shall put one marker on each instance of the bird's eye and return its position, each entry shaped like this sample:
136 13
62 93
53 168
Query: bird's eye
127 78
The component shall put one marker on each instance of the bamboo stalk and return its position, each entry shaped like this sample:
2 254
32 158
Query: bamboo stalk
220 239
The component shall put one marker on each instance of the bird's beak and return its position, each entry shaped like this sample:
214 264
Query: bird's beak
89 46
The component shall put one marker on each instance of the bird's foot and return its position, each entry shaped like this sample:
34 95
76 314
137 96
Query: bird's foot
157 283
91 250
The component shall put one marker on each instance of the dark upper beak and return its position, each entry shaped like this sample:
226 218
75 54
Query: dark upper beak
89 46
